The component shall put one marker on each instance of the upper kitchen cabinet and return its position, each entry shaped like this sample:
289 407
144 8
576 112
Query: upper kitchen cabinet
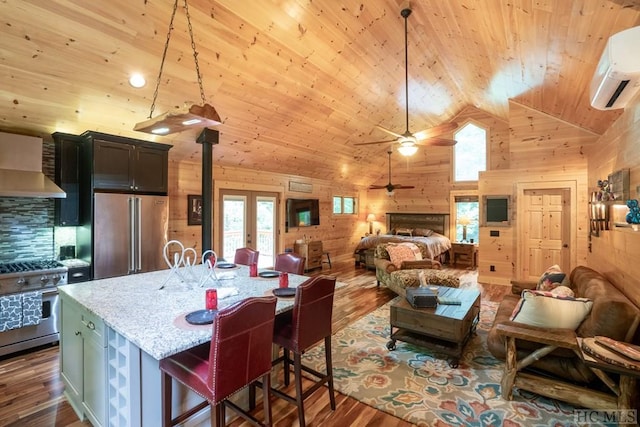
128 165
68 176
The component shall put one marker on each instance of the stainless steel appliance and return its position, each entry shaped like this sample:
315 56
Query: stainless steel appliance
129 234
20 278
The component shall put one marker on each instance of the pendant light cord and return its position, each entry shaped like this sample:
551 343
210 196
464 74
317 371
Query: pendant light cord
164 55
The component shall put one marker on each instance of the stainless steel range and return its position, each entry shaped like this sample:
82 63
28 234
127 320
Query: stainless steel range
29 303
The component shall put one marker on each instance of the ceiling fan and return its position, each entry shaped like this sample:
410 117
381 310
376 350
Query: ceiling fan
390 187
409 141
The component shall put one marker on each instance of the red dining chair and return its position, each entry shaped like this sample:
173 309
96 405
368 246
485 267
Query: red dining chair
290 263
301 328
246 256
238 355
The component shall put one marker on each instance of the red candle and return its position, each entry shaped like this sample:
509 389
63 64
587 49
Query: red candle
211 299
284 280
253 270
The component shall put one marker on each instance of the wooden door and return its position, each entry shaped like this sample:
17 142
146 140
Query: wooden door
545 230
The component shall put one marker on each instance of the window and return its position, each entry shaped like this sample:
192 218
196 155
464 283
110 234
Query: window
470 153
344 205
467 211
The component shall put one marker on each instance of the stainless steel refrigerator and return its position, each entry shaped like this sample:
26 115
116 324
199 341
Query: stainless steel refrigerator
129 234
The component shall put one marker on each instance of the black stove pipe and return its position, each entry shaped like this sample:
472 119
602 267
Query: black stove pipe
208 138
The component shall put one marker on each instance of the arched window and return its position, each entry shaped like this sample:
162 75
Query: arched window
470 153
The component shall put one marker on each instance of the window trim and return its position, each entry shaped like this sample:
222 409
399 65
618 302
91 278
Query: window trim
487 152
453 220
341 213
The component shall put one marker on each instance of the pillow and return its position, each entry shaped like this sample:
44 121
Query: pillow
404 231
552 278
422 232
543 309
403 252
562 291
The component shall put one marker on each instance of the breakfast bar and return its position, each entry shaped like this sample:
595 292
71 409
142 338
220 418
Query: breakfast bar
115 331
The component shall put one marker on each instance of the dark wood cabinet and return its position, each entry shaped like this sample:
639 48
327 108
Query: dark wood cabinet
112 166
68 176
128 165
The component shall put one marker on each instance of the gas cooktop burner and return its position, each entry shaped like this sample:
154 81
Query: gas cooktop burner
24 266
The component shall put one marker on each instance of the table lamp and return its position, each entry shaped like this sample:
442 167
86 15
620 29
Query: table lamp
370 218
464 221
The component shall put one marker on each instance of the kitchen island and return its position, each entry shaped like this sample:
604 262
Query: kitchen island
115 331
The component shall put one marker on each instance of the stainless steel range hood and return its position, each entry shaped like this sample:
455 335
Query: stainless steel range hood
21 168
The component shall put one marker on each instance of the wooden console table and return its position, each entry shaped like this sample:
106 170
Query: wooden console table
312 251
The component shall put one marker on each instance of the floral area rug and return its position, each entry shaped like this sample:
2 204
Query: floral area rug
419 386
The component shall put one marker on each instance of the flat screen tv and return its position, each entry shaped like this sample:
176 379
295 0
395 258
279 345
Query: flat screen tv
496 211
303 212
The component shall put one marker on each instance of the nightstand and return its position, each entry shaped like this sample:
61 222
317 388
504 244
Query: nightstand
464 253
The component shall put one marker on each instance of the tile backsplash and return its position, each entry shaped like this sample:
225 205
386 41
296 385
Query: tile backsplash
26 229
26 223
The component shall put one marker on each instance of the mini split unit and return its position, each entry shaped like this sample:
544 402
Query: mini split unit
617 78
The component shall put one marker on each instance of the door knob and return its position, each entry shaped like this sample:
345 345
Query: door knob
565 245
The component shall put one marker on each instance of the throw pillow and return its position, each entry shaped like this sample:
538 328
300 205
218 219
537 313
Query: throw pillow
404 231
422 232
563 291
403 252
552 278
545 310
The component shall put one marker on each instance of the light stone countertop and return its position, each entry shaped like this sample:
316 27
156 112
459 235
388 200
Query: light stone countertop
153 318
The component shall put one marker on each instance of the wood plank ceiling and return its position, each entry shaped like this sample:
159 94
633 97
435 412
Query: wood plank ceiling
298 82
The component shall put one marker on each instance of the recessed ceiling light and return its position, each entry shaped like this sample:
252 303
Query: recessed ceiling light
137 80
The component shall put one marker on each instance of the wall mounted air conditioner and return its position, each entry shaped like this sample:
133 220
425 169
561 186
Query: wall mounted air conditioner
617 78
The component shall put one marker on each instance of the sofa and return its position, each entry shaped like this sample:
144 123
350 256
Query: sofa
547 360
410 273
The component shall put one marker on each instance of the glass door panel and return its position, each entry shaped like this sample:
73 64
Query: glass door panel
249 219
234 225
265 222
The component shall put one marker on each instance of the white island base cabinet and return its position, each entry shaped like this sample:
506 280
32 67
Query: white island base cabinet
83 345
112 382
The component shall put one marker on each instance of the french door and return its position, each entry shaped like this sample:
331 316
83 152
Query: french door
249 219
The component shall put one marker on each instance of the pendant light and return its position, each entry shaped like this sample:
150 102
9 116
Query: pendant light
187 117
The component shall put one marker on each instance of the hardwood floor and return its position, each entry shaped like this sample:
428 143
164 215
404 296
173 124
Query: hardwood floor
31 387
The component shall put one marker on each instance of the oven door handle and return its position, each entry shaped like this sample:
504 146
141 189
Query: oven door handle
49 292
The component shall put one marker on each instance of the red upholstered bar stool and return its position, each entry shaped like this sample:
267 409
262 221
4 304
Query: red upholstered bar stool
298 330
246 256
290 263
238 355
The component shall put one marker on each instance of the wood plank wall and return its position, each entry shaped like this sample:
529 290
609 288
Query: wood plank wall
615 253
531 147
541 149
339 234
430 170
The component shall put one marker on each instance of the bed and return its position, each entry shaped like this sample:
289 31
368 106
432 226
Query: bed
431 229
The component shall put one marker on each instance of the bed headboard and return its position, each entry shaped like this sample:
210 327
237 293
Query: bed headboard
436 222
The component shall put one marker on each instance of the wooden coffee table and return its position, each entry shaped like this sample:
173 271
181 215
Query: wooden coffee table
445 328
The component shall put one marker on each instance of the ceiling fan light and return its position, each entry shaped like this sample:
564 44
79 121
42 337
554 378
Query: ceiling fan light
407 148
